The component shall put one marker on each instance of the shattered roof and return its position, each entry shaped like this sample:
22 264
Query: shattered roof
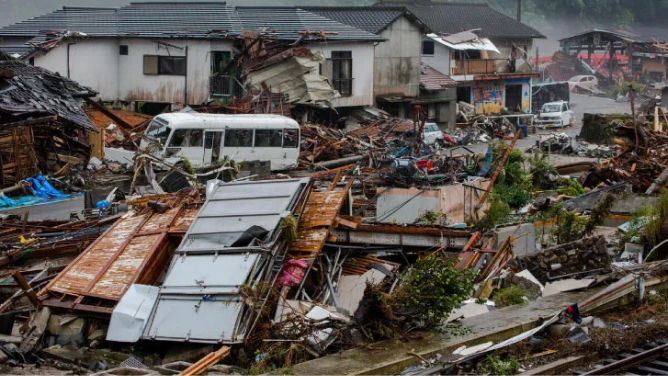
371 19
431 79
32 91
451 18
184 20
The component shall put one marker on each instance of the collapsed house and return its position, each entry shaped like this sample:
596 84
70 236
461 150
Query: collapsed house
44 128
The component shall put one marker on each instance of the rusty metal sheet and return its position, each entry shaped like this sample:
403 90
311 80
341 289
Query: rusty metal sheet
186 218
316 221
322 208
75 279
120 275
107 268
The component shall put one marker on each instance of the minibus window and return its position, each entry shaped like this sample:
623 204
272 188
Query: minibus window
187 138
268 138
159 130
238 138
163 134
290 138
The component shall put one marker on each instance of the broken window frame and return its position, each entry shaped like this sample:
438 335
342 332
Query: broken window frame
342 72
290 138
195 138
160 68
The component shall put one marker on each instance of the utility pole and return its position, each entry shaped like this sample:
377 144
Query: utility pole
519 10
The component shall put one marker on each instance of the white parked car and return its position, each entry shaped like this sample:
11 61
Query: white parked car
585 82
433 135
555 114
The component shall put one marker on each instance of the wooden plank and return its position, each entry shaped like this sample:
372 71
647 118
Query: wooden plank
25 286
206 362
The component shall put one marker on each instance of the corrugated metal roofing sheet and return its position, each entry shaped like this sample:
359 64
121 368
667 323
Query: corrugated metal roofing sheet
200 300
316 221
129 249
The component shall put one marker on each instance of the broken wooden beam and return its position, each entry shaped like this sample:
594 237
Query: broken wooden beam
124 127
25 286
207 362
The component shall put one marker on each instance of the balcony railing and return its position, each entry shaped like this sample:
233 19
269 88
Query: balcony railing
481 66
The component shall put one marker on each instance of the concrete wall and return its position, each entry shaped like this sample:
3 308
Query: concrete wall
440 60
98 64
363 58
504 45
397 60
134 85
399 205
446 108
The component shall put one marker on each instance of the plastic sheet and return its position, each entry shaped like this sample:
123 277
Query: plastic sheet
42 188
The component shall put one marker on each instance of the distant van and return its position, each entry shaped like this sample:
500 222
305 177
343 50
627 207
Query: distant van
205 139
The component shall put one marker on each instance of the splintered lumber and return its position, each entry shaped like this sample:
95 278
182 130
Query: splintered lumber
207 362
25 286
658 182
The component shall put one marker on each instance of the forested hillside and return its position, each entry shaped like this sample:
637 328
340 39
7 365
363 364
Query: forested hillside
611 13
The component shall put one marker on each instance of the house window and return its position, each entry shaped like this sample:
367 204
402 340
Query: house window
427 47
123 49
431 111
31 61
166 65
342 72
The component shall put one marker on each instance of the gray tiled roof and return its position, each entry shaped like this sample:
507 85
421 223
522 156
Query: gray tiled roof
185 20
451 18
193 20
431 79
371 19
287 22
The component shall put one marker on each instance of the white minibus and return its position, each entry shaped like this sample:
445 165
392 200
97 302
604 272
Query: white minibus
206 138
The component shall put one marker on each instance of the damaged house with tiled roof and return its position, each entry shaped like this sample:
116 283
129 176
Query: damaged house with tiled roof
174 53
401 81
484 51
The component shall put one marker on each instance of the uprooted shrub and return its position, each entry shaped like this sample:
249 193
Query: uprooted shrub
513 185
430 290
541 169
494 365
655 229
569 227
496 214
509 296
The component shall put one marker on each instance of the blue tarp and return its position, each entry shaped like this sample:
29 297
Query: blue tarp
42 188
487 162
43 192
